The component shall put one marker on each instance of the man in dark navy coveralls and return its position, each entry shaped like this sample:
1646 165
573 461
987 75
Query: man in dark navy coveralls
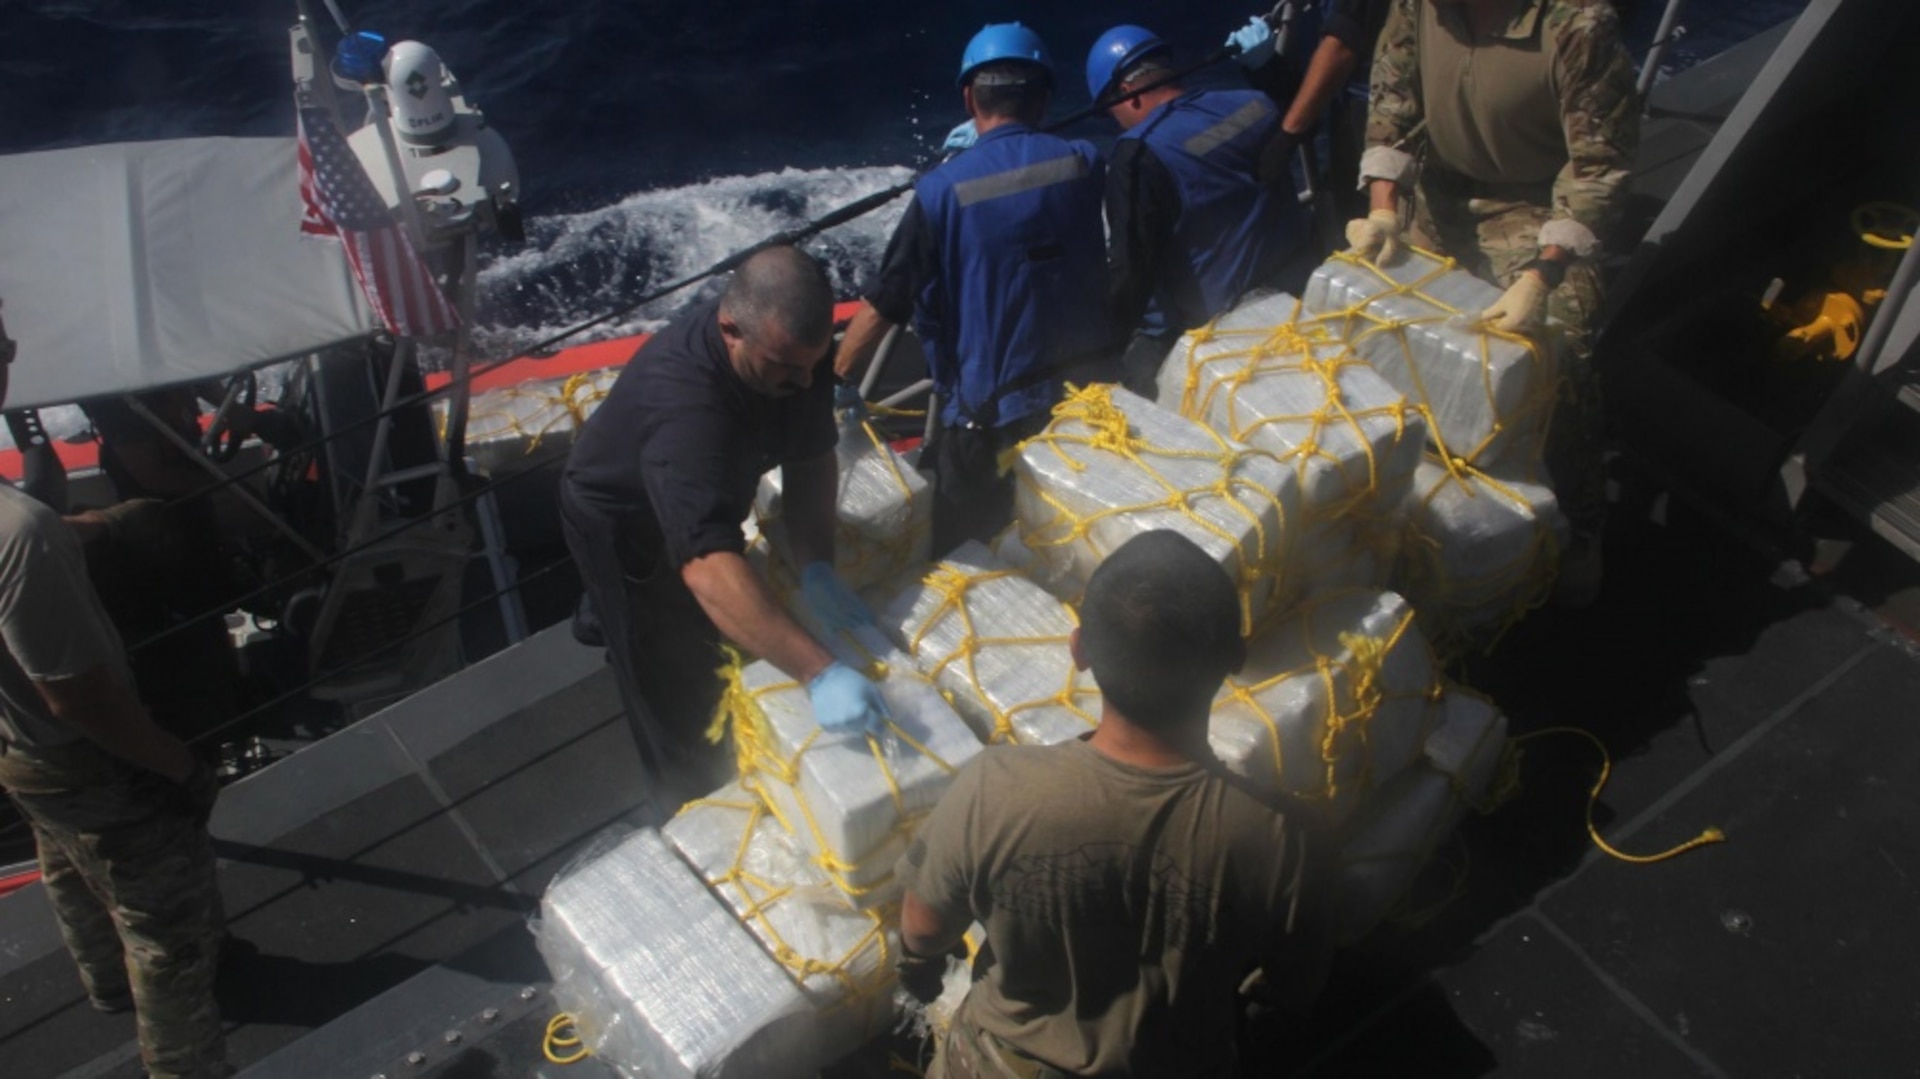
654 493
999 263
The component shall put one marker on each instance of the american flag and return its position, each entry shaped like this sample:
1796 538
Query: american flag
340 201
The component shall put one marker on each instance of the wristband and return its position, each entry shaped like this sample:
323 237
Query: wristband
1552 271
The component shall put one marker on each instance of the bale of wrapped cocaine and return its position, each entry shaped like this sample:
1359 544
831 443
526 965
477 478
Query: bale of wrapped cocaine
997 644
851 801
1487 396
1479 552
1333 700
1406 821
843 960
884 521
661 979
1260 376
1112 465
509 424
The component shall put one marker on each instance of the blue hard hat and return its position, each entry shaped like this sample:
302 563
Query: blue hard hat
1004 41
1117 50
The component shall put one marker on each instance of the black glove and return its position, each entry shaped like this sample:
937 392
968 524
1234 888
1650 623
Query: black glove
923 976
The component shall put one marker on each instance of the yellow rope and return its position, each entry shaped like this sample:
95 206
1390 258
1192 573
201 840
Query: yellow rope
954 589
1088 418
1509 787
557 1038
762 760
1351 692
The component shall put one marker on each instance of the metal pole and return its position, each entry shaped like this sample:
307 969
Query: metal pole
458 401
1880 327
513 613
376 460
239 491
1661 39
376 94
879 362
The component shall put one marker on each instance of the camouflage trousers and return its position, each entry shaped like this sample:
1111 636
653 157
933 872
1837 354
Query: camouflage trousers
132 884
1492 233
970 1053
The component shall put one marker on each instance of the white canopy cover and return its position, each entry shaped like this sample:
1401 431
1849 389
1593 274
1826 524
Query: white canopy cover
134 265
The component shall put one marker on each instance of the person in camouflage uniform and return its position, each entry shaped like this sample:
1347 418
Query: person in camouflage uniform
1511 123
118 806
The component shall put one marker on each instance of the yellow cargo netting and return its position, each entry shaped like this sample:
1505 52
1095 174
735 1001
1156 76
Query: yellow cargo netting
1108 432
761 761
1526 421
533 412
1352 694
758 897
1286 348
954 589
866 551
1517 585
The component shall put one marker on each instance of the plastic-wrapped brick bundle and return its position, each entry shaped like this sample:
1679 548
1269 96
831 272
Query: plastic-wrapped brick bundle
1487 396
1478 553
660 977
1333 700
1112 465
885 516
1407 821
508 424
997 644
1258 375
850 801
842 959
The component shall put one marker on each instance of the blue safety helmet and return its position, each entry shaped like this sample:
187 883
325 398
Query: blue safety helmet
1117 50
1003 41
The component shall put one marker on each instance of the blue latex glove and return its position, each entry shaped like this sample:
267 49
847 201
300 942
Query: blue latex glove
961 138
846 398
830 600
846 702
1256 43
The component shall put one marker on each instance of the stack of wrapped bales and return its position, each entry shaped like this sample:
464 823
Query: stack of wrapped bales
1112 465
1334 700
509 425
996 644
1260 375
884 520
661 978
842 959
1481 531
1403 824
850 801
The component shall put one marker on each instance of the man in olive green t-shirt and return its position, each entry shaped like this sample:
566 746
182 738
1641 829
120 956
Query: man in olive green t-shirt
1127 884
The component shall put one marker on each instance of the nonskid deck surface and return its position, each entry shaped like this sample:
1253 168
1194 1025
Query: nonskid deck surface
1731 692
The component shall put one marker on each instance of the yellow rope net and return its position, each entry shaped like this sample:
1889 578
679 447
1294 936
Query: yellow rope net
1486 395
1331 697
529 413
997 645
1295 389
1110 465
852 808
842 958
884 520
1477 553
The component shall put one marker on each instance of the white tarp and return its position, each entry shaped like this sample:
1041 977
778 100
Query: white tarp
134 265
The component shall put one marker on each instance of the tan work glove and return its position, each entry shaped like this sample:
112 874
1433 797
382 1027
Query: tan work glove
1522 308
1375 236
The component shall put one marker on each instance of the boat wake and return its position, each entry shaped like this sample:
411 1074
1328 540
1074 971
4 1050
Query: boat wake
579 266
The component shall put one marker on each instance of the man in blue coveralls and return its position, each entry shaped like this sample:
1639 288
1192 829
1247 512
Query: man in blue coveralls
999 263
1200 197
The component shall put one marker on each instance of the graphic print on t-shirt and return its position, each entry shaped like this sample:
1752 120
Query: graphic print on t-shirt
1106 886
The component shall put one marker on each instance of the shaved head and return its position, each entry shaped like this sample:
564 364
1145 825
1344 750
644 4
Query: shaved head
784 285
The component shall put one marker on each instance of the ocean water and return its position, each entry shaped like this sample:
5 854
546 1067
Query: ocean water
654 137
